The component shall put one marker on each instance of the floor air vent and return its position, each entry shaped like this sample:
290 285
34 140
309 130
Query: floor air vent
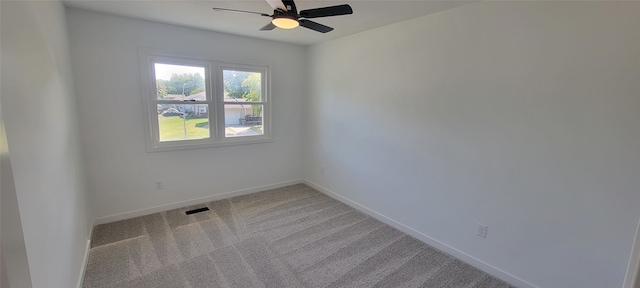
196 210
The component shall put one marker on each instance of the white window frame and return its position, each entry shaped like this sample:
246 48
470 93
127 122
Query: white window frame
215 101
266 108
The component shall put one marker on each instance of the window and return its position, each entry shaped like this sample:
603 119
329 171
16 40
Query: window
243 102
200 103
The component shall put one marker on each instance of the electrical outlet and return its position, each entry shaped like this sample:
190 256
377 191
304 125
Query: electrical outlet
159 185
321 170
482 230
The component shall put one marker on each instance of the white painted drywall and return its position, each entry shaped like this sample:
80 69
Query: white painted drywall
12 245
631 279
523 116
4 278
121 174
39 110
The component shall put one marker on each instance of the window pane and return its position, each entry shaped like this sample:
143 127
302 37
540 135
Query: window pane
242 85
174 126
243 120
180 82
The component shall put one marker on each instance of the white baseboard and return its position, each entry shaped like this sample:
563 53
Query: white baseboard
498 273
85 259
216 197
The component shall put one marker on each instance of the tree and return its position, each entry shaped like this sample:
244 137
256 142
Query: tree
233 86
161 87
192 83
253 84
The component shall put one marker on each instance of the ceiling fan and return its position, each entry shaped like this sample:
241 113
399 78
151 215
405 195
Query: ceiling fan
286 16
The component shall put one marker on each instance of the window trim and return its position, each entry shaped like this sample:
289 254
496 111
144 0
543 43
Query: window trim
265 95
215 99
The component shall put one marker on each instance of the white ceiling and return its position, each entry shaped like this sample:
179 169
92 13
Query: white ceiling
367 15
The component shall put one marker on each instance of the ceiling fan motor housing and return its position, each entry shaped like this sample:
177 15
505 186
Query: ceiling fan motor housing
285 19
285 14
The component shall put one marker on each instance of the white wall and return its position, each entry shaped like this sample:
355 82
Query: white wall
121 174
12 238
520 115
39 110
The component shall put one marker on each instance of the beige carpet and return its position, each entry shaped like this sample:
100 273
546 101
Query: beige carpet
288 237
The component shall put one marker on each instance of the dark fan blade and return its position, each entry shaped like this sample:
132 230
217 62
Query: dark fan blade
291 6
269 26
314 26
327 11
241 11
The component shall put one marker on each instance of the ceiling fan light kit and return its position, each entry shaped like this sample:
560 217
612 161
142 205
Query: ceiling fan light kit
285 22
285 15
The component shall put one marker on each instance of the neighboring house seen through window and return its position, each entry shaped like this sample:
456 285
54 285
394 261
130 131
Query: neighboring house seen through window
195 103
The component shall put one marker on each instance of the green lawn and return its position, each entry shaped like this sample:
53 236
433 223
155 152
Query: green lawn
172 128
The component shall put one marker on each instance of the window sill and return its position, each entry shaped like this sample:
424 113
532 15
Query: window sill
173 146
